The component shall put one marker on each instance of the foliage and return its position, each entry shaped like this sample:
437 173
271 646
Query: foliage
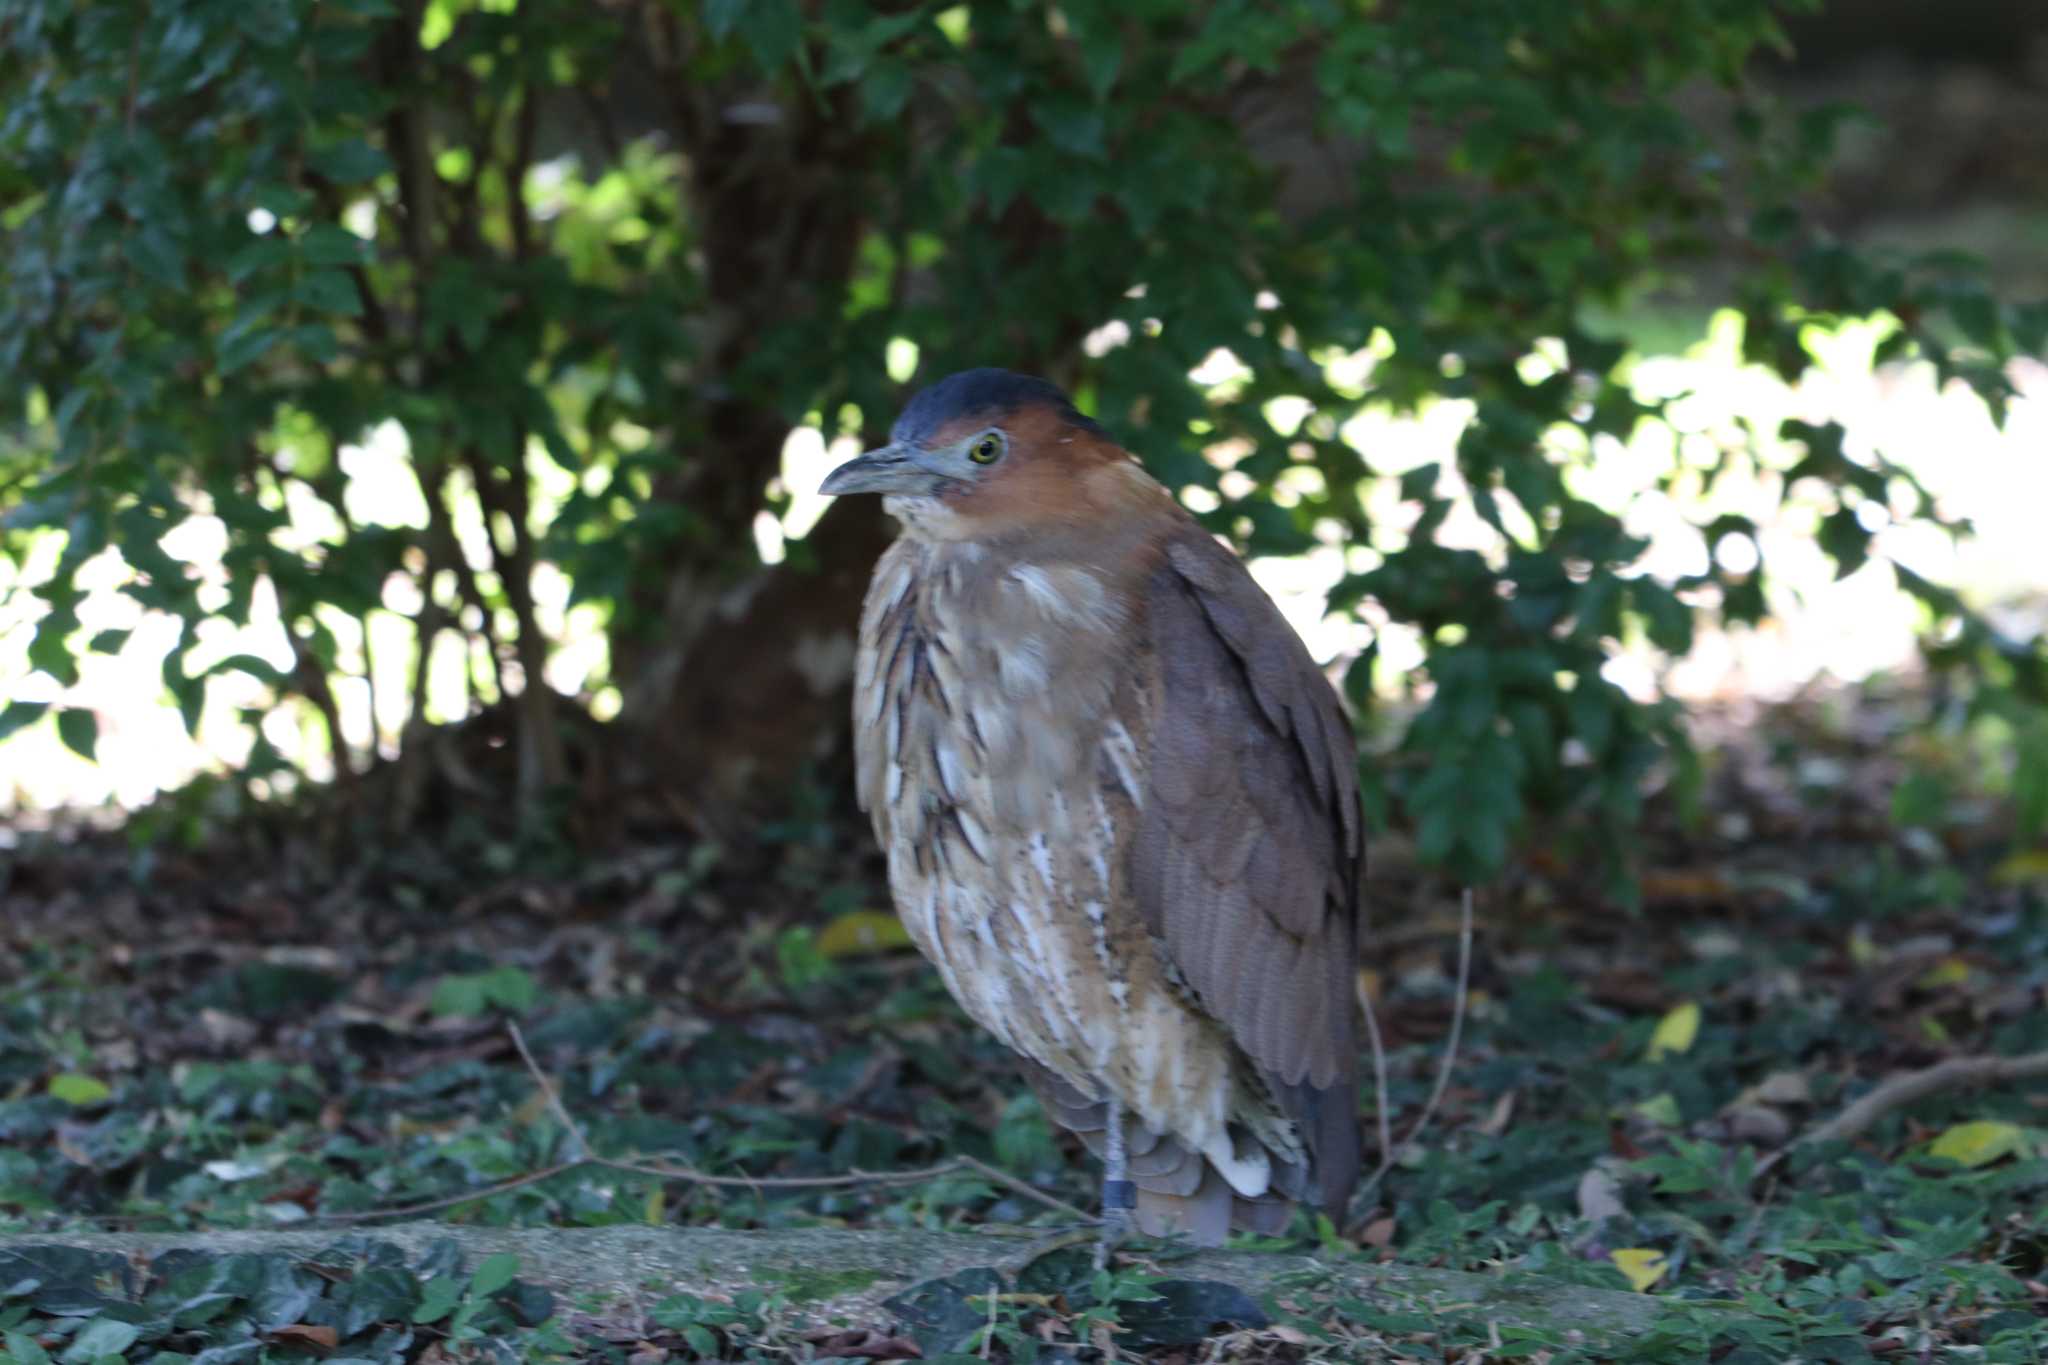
593 262
359 1298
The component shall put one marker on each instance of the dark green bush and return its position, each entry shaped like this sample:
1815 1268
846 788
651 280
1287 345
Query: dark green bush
636 241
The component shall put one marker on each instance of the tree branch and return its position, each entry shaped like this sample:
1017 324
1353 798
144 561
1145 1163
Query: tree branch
1957 1073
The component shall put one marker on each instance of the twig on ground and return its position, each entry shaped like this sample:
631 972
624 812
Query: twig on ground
1957 1073
583 1156
517 1182
1393 1153
578 1147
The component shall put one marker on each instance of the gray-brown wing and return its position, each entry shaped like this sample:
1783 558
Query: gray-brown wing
1250 848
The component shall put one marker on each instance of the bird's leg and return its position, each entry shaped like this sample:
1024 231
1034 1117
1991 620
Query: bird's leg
1119 1195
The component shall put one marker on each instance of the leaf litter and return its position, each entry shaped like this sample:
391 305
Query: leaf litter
273 1024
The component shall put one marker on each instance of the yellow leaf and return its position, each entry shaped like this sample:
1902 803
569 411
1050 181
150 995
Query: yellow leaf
1862 951
1950 971
862 931
1644 1266
2022 867
1978 1144
1675 1031
1661 1109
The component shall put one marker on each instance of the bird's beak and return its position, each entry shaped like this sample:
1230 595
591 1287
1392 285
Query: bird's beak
892 469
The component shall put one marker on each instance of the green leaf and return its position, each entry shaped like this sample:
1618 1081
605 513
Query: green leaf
441 1295
774 29
326 244
25 1349
721 15
494 1274
508 988
350 161
99 1339
19 715
884 90
80 731
79 1090
157 256
240 347
330 291
1979 1143
1070 123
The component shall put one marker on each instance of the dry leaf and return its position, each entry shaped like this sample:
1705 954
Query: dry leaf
859 932
1599 1196
312 1334
1952 971
1644 1266
1785 1087
2022 867
1759 1124
1676 1031
1496 1121
1660 1109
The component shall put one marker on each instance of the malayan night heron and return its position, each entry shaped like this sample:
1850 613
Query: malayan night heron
1119 802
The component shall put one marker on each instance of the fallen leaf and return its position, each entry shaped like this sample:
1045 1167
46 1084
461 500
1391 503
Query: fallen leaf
229 1172
1785 1087
2022 867
1378 1233
312 1334
1949 972
1758 1123
1496 1121
1661 1110
1978 1144
859 932
1644 1266
1693 884
1676 1031
79 1091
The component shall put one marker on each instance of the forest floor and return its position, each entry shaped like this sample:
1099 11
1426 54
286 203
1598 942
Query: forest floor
288 1023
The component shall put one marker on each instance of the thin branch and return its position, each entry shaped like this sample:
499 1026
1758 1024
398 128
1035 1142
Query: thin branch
579 1146
1957 1073
450 1201
1450 1060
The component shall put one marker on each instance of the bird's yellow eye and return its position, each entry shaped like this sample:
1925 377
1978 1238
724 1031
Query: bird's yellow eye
985 450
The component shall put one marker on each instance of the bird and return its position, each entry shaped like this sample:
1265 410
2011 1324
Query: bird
1119 806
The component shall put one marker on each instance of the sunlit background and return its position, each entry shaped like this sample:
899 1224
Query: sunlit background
1821 627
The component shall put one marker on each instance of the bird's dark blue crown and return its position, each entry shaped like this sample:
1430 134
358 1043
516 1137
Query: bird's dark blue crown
975 393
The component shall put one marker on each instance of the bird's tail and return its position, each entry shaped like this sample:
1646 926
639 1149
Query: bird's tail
1179 1191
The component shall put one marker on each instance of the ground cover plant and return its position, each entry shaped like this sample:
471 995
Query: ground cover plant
215 1035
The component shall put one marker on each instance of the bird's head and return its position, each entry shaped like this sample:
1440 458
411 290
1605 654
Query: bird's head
983 450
